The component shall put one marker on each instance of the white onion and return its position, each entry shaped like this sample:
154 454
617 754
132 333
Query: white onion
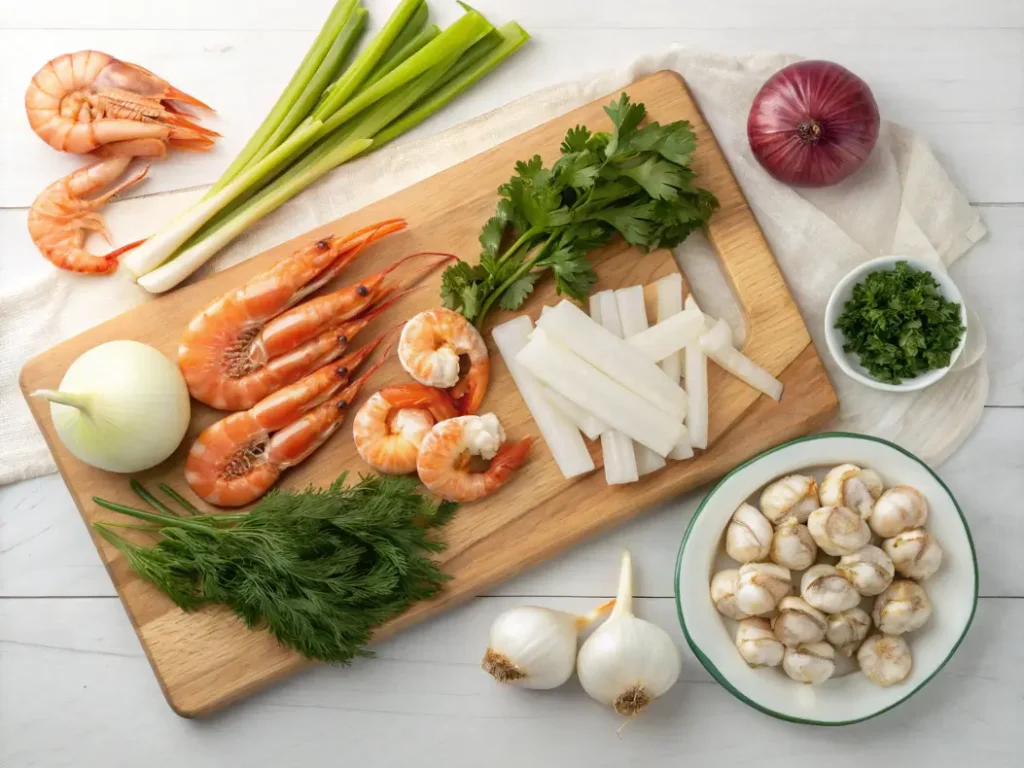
122 406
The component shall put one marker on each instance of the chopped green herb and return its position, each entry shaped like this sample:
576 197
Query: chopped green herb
900 325
318 568
634 181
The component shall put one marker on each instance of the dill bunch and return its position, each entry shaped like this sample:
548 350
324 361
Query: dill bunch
318 568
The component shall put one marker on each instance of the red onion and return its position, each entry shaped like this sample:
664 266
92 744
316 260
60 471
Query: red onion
813 123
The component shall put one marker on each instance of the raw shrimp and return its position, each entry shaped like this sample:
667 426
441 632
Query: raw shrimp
445 455
83 101
390 426
236 460
62 217
235 352
430 348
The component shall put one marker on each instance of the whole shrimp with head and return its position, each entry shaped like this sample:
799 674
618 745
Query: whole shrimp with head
87 101
389 427
258 338
239 458
431 348
62 217
447 455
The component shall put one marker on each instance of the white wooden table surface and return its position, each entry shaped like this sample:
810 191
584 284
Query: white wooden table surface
75 688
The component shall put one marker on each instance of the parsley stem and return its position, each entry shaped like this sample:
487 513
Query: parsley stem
525 237
526 267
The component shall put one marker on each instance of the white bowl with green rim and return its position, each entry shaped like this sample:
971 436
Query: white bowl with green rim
852 697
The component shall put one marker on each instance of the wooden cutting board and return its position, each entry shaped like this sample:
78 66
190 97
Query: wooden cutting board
207 659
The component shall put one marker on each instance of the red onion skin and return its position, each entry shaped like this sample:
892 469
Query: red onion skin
813 123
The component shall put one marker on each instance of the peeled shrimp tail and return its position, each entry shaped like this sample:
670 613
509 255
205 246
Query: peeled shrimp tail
414 395
506 461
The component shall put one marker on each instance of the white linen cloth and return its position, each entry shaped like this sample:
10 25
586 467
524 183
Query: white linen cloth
901 202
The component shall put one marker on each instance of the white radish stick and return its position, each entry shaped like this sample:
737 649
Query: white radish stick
695 363
562 437
620 408
591 426
620 459
717 344
669 336
670 302
633 318
570 327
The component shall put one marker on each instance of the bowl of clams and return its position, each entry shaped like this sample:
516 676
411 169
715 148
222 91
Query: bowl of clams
828 579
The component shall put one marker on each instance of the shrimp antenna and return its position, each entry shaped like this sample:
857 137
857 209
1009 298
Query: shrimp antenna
415 277
390 298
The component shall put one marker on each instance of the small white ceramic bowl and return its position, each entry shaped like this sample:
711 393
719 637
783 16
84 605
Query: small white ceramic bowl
852 697
844 291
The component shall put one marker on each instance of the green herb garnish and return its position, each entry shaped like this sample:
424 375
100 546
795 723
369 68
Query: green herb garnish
319 568
634 181
900 325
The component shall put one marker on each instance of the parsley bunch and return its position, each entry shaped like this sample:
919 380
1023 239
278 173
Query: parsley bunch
900 325
319 568
634 181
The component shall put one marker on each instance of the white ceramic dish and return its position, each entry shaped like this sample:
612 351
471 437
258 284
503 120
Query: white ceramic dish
851 698
844 291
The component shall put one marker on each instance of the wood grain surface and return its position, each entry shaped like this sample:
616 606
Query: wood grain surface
207 659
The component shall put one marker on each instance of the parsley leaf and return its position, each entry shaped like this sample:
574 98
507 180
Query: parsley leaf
900 325
633 181
518 290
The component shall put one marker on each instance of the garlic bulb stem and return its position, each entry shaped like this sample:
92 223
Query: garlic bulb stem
628 662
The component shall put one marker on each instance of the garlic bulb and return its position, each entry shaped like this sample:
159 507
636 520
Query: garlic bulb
885 659
793 496
897 510
628 662
869 569
797 623
533 647
757 644
761 586
915 553
812 663
824 588
723 593
903 607
838 530
846 630
850 486
748 536
793 546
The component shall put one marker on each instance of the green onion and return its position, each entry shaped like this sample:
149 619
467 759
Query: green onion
457 80
343 45
326 117
335 21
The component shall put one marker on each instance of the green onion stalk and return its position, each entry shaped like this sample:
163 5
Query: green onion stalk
329 114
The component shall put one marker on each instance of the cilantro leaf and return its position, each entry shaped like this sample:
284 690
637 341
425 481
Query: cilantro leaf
661 179
491 235
675 142
634 222
516 293
575 140
632 181
626 117
574 274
